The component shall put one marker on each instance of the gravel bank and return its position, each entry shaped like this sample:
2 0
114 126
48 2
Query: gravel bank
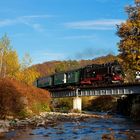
45 119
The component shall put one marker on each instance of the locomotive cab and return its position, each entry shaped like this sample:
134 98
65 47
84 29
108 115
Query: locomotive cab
102 73
89 74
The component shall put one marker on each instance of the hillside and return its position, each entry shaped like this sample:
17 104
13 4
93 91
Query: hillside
48 68
18 99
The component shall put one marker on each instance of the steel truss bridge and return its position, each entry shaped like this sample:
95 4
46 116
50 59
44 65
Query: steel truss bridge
123 89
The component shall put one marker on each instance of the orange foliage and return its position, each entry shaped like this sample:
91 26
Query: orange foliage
15 96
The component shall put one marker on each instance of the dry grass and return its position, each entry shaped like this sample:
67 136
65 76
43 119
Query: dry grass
16 98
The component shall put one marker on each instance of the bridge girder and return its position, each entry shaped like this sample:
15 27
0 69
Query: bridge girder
98 91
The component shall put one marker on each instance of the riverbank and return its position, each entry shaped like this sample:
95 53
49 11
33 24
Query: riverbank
45 120
66 126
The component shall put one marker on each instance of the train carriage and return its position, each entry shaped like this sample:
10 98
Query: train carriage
73 77
45 81
59 79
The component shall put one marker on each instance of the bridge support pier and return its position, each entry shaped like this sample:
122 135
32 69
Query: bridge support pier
77 103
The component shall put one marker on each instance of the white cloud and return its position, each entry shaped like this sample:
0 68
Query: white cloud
26 20
104 1
37 27
7 22
104 24
79 37
36 16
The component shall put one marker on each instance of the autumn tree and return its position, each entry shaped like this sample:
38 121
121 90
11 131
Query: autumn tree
27 74
129 32
9 64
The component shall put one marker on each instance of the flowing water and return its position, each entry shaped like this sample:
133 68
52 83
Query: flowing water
117 127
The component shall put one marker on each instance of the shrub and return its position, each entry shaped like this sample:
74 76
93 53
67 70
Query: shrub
18 99
103 103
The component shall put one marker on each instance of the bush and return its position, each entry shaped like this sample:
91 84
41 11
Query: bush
62 104
18 99
103 103
41 107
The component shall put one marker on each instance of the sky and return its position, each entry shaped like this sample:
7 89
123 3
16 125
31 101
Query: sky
62 29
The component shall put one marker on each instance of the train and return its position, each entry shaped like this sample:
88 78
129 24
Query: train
94 74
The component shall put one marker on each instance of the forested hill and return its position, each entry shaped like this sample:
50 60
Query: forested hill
48 68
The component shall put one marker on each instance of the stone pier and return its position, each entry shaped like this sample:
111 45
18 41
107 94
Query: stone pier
77 103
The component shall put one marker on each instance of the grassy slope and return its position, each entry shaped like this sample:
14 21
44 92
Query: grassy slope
18 99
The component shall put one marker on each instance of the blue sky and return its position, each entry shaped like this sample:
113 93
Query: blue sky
62 29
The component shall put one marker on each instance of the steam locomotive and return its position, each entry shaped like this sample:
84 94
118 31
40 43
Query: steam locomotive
94 74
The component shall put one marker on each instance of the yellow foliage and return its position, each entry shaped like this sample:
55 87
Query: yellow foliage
129 45
27 76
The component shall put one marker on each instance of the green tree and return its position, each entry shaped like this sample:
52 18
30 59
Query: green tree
129 32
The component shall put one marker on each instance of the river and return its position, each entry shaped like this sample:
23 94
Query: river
114 128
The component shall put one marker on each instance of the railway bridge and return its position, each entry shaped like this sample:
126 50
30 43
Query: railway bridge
78 92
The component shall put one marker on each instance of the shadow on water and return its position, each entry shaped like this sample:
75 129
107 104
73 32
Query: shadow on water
117 128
